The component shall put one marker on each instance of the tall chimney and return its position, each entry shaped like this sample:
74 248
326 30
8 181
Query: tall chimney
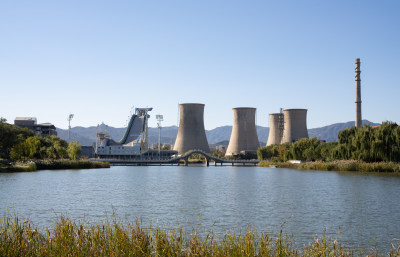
358 122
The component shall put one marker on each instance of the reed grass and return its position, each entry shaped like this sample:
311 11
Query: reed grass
52 165
70 164
18 166
341 165
117 238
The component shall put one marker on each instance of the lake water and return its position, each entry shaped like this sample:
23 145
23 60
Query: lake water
363 209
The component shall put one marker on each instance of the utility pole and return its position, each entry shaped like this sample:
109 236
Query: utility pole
69 126
159 118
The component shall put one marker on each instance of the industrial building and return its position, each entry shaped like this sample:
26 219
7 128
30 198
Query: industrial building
44 129
191 133
244 134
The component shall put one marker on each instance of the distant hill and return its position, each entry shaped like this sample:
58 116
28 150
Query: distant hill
330 132
87 136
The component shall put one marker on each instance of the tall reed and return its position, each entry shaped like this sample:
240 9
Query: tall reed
340 165
117 238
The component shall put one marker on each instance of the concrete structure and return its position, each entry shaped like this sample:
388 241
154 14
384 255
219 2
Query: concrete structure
191 133
133 143
275 129
295 125
358 122
44 129
244 134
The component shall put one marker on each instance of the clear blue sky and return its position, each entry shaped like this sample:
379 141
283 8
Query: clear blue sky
97 59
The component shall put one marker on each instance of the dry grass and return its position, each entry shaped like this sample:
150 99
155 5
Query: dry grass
52 165
116 238
341 165
70 164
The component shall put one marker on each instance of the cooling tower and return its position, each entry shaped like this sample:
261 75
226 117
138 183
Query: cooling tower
244 133
295 125
191 133
275 129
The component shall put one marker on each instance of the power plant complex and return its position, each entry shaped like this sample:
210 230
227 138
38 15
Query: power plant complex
287 126
244 134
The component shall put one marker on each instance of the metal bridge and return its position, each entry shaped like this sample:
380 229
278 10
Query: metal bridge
178 160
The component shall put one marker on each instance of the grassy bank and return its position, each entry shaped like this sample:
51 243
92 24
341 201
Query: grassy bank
17 166
70 164
343 165
51 165
116 238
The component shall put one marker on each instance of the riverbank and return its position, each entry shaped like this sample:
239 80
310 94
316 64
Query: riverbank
35 165
343 165
122 238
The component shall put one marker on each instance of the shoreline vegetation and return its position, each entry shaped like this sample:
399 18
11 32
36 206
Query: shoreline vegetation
342 165
123 238
51 165
22 150
365 149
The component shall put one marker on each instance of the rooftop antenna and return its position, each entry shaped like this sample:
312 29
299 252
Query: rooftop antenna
159 118
69 126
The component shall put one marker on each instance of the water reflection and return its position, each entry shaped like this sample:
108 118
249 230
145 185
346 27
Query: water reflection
365 208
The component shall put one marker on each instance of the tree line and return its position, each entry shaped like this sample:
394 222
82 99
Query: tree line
368 144
22 144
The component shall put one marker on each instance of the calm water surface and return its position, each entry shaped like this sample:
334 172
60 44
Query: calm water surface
364 209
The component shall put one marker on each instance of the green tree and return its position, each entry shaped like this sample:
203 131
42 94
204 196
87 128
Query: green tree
61 148
324 151
33 146
11 135
53 147
19 151
74 150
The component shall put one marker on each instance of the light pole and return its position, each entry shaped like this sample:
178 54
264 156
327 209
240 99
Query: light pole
69 126
159 118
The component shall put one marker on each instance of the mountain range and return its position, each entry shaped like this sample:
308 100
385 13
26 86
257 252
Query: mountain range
217 136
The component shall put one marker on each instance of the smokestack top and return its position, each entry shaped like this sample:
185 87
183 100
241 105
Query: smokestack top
358 60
